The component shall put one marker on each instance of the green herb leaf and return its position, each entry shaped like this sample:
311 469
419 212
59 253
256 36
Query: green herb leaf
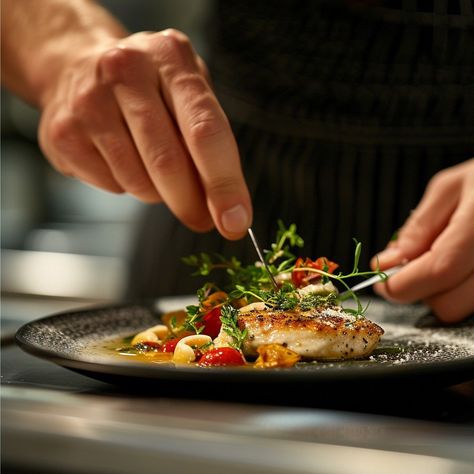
229 319
253 283
192 319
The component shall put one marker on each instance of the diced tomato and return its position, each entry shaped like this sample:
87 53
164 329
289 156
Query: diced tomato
211 322
275 355
221 357
298 277
215 299
170 346
303 278
322 263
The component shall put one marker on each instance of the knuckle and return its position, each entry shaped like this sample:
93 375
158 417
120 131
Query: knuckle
222 186
413 230
204 126
173 44
119 149
84 101
164 161
177 36
204 122
118 161
62 131
443 265
145 115
441 180
194 85
115 63
417 223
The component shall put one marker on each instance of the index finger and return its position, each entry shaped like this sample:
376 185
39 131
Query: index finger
207 135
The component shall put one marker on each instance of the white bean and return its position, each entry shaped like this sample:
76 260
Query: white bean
184 353
154 334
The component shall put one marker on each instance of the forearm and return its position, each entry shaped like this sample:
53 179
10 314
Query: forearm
41 37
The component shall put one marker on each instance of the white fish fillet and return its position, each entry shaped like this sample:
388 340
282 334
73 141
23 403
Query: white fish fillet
317 334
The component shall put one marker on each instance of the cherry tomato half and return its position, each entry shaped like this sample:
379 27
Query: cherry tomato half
221 357
170 346
211 322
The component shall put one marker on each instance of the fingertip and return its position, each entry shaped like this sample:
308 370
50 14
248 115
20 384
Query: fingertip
235 221
387 258
385 291
380 289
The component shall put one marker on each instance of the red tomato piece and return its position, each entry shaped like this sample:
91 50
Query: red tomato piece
170 346
298 277
221 357
215 299
322 263
303 278
211 322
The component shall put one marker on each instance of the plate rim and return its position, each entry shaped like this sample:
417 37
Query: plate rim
151 371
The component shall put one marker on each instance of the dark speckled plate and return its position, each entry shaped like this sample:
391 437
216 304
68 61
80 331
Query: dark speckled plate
414 349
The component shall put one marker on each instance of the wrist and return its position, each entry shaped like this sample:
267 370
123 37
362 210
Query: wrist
39 46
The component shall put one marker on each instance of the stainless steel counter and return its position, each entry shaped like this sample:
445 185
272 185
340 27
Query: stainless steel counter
54 420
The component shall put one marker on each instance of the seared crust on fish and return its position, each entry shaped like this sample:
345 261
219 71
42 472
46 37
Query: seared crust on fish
321 333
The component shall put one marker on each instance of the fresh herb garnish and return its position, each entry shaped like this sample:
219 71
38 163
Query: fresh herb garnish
340 277
251 283
230 326
193 317
286 238
313 300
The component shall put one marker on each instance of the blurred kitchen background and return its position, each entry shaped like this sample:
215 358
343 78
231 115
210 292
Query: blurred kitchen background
59 237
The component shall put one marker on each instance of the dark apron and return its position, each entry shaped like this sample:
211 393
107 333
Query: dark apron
343 111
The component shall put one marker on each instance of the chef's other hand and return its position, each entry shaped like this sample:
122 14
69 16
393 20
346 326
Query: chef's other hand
437 240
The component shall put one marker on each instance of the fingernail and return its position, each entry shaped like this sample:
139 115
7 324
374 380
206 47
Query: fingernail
390 256
236 219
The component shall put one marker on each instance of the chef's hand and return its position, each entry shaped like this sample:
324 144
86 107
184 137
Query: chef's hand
437 240
138 115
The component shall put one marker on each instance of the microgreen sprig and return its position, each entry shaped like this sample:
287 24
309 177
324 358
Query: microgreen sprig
229 316
286 238
340 277
253 283
193 318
